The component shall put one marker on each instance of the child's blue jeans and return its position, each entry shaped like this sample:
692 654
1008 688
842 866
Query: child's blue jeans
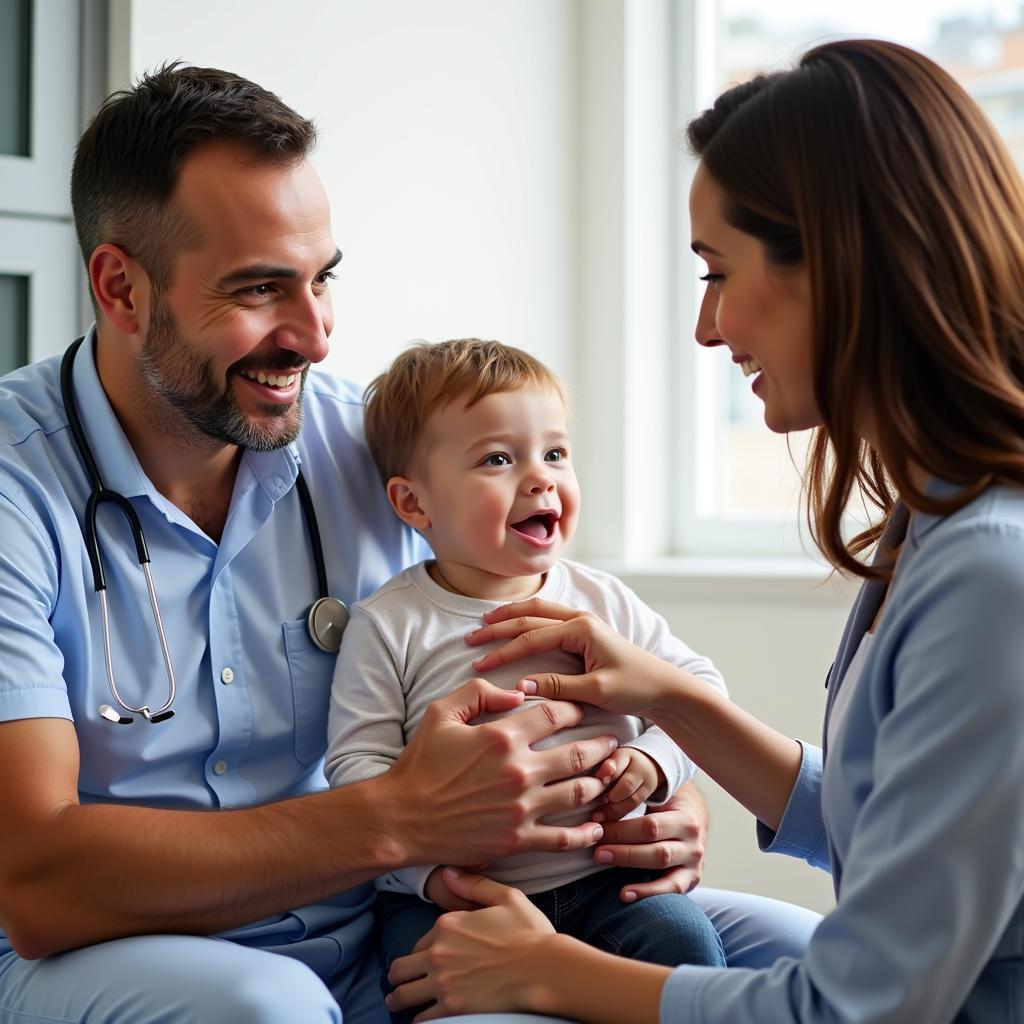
668 930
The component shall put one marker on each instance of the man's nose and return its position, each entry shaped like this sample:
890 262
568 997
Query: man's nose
706 331
306 327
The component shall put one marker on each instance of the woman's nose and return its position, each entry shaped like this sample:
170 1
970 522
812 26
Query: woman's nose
706 331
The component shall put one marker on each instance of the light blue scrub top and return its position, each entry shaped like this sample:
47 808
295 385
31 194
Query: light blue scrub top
253 691
917 807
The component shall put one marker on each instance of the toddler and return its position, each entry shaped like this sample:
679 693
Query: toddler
472 443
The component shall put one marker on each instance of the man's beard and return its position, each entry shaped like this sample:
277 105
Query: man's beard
173 372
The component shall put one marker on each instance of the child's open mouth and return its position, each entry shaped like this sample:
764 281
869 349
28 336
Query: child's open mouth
539 527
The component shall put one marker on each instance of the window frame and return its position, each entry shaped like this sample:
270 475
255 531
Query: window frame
37 185
68 75
647 67
46 252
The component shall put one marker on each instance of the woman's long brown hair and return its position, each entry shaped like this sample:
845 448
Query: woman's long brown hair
871 166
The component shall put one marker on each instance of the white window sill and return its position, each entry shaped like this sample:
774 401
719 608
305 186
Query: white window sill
789 580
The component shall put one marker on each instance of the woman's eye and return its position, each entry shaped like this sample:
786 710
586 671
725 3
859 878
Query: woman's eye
497 459
712 279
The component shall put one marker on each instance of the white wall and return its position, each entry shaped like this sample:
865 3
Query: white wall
447 147
451 148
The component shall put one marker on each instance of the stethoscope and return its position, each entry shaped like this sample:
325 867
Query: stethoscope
327 616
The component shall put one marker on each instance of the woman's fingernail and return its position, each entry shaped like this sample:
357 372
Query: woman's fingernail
480 660
598 834
453 872
629 896
613 743
528 685
605 857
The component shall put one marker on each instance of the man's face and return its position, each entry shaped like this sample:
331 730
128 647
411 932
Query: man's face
228 345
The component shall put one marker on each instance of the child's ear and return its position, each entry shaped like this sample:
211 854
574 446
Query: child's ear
403 498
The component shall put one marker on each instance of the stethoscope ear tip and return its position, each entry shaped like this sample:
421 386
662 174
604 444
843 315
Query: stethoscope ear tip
110 715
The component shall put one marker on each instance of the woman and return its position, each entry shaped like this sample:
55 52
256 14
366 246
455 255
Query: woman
863 229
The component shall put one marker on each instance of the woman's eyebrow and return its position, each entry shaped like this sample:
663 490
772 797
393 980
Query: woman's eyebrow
698 247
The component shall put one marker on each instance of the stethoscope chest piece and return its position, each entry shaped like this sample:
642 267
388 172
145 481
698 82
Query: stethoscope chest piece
327 621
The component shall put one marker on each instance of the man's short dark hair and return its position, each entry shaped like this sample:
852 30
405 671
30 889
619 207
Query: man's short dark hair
127 162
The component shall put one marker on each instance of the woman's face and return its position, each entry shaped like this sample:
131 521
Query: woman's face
762 314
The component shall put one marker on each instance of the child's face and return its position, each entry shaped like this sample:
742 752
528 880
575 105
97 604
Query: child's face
497 484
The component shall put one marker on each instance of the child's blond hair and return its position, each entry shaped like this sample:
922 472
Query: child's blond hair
427 377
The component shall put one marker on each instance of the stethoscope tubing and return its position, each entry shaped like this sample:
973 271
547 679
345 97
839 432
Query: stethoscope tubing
326 618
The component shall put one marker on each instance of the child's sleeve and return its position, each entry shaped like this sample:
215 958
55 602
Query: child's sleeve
365 725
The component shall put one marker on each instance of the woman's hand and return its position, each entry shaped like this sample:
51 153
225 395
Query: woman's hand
618 676
671 837
485 960
437 892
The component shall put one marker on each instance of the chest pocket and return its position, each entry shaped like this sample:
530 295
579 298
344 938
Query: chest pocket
311 671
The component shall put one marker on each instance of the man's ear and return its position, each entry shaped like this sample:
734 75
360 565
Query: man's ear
406 503
121 288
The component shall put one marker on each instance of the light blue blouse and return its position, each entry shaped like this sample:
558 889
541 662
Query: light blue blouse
918 806
250 722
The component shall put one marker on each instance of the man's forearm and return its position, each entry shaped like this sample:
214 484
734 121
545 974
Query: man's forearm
102 871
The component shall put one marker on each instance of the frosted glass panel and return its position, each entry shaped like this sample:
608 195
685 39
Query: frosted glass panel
13 321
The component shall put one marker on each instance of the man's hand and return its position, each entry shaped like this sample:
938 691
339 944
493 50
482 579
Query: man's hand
631 776
466 794
671 837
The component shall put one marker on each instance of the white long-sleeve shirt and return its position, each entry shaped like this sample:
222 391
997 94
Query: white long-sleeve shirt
404 648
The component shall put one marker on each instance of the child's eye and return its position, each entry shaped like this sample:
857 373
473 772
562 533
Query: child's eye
497 459
556 455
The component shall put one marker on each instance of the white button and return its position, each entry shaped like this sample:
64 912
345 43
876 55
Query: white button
227 675
220 767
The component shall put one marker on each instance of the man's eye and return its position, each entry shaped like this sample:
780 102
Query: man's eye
326 277
497 459
259 291
556 455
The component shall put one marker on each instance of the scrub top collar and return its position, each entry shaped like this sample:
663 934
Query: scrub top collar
118 464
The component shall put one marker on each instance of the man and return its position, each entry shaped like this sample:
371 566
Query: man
207 238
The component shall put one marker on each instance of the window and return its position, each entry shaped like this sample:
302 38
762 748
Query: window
738 485
13 321
40 86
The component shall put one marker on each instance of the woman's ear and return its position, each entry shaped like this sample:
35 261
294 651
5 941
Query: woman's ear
406 503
